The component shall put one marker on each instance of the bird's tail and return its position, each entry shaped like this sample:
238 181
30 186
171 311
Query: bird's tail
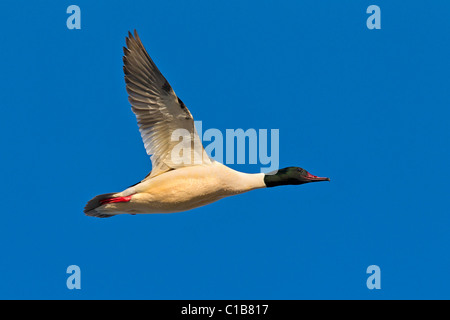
91 207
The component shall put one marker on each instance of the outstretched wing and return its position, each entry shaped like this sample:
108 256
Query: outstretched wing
164 121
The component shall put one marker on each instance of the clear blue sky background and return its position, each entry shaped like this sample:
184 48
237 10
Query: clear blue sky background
368 108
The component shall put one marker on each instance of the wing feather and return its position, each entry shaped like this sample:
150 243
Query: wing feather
159 112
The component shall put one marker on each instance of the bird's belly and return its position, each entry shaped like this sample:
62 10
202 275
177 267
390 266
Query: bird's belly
172 196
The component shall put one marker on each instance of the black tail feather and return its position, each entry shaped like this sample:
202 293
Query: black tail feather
94 203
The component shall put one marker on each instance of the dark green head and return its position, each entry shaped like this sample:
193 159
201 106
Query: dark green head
291 176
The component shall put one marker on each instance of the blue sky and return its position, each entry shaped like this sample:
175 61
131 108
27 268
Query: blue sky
367 108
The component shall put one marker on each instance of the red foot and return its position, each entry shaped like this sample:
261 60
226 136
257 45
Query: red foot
117 199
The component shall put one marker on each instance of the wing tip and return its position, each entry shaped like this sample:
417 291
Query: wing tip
133 36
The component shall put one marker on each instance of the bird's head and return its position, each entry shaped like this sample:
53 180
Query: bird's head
291 176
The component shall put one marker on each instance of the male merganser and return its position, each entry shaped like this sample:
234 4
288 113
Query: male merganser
174 185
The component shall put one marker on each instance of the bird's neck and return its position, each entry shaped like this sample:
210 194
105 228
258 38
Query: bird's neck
250 181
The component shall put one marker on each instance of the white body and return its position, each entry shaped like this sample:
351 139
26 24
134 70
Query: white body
184 189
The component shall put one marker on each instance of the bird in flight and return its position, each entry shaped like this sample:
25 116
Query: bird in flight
174 185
